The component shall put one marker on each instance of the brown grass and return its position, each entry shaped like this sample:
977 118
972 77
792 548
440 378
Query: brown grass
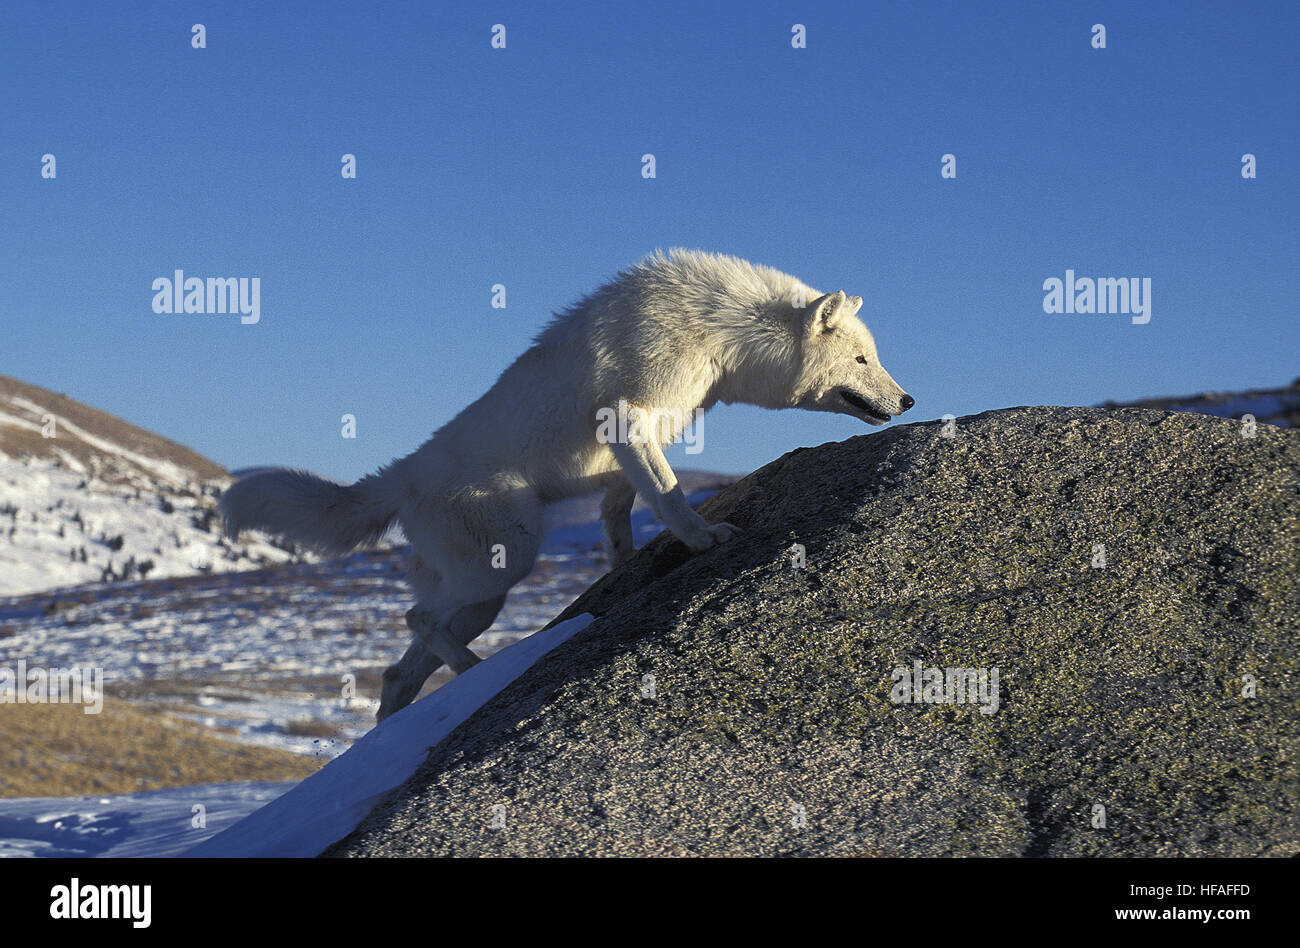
56 750
307 728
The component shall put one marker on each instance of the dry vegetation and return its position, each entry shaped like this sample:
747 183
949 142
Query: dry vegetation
58 751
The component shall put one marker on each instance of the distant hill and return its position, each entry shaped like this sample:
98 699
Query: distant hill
1270 406
89 441
87 497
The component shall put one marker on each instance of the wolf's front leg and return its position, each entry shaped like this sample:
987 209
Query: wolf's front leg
648 470
616 516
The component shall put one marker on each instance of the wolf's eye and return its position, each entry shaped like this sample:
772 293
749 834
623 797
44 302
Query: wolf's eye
862 359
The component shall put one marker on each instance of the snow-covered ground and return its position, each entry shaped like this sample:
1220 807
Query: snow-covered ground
160 823
99 499
60 528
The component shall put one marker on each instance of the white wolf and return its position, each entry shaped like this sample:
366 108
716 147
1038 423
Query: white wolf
671 336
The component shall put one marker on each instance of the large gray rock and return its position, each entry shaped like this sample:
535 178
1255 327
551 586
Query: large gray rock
771 728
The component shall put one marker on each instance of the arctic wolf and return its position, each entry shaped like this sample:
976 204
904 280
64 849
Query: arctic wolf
670 336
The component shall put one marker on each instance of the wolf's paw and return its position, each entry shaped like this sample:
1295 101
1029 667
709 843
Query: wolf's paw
705 535
722 532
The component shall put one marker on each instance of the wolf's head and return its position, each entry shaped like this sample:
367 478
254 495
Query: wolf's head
839 368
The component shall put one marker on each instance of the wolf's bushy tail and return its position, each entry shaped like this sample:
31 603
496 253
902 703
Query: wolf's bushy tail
321 515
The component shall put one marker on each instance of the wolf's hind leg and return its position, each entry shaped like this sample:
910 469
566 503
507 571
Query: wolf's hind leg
466 563
616 515
403 681
437 636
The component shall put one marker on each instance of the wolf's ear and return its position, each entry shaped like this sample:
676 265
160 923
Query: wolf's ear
824 313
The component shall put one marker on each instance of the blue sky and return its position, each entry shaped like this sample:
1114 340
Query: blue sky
522 167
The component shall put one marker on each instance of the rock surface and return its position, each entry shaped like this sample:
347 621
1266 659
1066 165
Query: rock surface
736 703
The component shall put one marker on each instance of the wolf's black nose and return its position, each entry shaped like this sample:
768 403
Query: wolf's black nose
906 402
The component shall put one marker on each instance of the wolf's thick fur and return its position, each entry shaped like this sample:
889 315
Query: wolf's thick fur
671 335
